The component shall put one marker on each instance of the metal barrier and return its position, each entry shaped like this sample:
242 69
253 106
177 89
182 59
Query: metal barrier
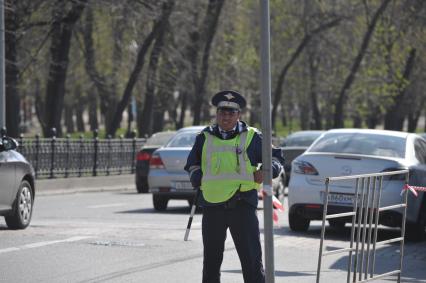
366 209
76 157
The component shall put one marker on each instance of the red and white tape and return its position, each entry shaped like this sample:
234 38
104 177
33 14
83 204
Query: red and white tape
277 205
413 189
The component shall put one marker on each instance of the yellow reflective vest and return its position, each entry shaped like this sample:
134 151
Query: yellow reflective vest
226 166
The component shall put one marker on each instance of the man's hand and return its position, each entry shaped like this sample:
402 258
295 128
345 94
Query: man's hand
258 176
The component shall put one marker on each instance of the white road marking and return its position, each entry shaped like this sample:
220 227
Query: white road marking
42 244
106 205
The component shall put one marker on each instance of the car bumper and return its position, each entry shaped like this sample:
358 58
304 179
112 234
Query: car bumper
315 212
307 197
173 185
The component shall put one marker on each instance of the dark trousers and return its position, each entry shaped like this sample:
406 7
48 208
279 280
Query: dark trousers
244 227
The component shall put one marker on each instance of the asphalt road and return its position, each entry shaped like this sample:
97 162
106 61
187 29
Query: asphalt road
116 236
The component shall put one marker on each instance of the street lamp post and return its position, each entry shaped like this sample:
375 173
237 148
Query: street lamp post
2 71
265 85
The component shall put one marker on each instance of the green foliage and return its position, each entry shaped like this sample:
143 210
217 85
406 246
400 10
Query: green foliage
121 26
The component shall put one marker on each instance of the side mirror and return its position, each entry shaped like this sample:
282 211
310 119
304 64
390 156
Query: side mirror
8 143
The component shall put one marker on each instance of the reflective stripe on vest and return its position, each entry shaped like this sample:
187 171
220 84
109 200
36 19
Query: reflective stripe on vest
226 166
238 174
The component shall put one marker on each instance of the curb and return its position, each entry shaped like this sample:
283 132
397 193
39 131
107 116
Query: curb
85 184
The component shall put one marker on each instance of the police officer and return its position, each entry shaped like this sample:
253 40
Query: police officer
224 163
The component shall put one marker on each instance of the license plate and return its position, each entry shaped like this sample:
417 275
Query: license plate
181 185
339 198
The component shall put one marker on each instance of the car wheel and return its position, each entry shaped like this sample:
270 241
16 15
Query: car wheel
298 223
336 223
142 185
160 202
22 207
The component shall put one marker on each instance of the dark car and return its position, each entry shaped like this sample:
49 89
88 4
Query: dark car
296 144
16 186
143 157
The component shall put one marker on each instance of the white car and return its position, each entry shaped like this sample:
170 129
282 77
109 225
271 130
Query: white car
343 152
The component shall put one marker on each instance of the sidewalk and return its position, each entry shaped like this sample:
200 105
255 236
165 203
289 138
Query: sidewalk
85 184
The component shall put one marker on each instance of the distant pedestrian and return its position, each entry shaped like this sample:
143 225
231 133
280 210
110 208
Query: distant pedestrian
224 162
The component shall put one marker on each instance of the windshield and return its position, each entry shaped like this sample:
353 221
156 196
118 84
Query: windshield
159 139
183 139
361 143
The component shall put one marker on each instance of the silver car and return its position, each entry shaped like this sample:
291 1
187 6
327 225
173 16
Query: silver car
167 178
351 152
16 186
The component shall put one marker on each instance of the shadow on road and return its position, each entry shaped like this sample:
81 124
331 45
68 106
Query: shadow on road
278 273
343 234
171 210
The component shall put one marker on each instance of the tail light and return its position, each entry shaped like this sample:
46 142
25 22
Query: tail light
155 162
303 167
143 156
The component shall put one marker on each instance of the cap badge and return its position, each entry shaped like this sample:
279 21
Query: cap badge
229 96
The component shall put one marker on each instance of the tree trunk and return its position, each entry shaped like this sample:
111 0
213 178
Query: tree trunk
69 122
413 119
11 68
93 110
139 120
203 39
60 45
158 123
151 80
338 113
105 89
280 82
183 107
130 120
356 121
304 116
158 26
316 123
394 118
39 106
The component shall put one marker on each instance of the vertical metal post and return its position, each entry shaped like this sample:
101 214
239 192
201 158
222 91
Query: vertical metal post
133 160
364 227
404 216
52 153
358 237
2 70
348 279
80 163
95 153
265 86
67 156
376 225
121 148
109 155
370 224
37 155
324 214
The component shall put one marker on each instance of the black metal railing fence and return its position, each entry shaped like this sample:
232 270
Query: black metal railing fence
77 157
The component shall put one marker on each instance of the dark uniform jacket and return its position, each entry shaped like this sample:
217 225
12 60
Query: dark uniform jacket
254 152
